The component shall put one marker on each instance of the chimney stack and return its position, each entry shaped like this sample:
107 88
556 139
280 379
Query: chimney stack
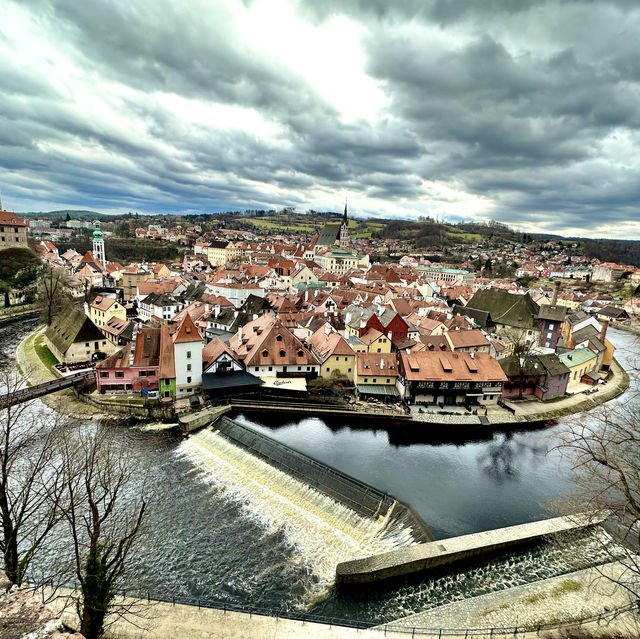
554 297
603 332
132 350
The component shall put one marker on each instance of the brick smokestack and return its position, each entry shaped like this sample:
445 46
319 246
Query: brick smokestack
603 332
554 297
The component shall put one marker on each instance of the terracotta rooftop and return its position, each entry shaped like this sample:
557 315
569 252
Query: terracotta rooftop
434 366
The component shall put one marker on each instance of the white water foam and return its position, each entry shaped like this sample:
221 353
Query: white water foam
321 530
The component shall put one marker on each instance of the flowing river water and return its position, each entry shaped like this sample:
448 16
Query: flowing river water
225 526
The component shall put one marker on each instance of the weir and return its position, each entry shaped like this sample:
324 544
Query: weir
423 558
327 516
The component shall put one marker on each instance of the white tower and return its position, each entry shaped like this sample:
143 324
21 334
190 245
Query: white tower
98 244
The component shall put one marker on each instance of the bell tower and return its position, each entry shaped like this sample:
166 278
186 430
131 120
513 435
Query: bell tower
98 244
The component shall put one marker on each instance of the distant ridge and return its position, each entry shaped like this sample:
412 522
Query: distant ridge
73 214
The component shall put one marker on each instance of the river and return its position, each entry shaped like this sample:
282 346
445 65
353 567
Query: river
214 533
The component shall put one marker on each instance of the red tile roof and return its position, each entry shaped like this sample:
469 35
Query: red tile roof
435 366
187 332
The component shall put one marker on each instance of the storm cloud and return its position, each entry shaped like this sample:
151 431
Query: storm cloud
524 112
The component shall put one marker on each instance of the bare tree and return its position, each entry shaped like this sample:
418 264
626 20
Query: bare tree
30 481
105 520
53 293
604 450
520 354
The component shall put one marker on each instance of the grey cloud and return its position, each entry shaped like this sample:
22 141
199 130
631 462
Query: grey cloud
525 121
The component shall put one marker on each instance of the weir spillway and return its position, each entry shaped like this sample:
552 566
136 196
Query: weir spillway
326 515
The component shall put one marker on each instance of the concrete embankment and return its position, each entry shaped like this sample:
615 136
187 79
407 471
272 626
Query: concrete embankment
436 554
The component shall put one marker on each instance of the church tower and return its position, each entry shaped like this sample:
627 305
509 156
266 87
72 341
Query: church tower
344 230
98 244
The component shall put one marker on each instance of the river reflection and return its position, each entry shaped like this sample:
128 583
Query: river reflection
204 539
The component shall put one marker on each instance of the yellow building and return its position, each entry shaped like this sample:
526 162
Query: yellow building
217 253
376 375
102 309
336 357
580 362
376 342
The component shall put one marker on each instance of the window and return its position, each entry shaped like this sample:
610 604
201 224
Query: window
366 379
278 338
265 353
188 367
256 368
300 354
328 370
119 374
270 368
188 380
188 354
299 368
378 350
388 381
104 373
348 370
143 373
86 344
283 353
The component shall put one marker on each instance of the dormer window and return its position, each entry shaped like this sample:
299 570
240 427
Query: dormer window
265 353
278 338
300 354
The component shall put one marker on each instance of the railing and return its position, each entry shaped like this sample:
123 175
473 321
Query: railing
239 403
52 386
601 619
18 309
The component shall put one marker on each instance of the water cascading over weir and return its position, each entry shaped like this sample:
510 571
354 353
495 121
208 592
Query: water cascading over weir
327 516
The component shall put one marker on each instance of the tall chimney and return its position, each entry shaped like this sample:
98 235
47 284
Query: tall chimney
554 297
603 332
132 350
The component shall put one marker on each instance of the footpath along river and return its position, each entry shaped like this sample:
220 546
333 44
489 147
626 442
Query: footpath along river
215 533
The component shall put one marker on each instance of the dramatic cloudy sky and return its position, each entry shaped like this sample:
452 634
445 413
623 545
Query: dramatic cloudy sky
523 111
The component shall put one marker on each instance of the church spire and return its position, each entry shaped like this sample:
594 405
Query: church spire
344 229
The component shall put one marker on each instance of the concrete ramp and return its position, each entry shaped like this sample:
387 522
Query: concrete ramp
436 554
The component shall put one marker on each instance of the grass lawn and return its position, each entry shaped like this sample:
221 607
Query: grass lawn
43 352
459 236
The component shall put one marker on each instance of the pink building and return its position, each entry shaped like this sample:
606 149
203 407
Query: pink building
123 373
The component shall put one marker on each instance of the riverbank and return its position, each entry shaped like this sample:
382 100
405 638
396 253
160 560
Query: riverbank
569 598
586 599
36 371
